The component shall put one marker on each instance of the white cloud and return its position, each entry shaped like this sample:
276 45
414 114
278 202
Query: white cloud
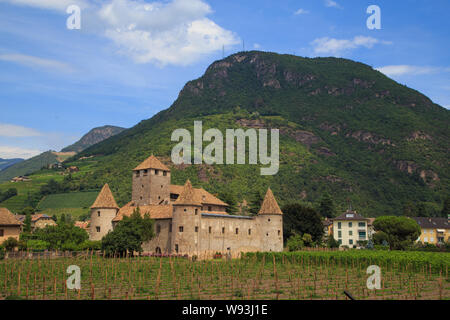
332 4
176 33
11 130
301 11
59 5
31 61
256 46
338 46
399 70
7 152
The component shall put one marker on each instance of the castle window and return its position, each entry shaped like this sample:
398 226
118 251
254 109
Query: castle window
140 198
137 174
145 172
180 228
161 186
185 210
279 232
98 212
268 220
98 229
196 229
170 227
2 232
249 232
223 230
159 197
196 211
237 230
267 234
142 186
164 173
210 229
209 208
158 228
156 172
176 248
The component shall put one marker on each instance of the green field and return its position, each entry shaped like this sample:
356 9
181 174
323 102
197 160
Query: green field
68 200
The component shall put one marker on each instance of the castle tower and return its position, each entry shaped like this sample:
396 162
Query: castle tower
151 183
186 220
103 211
270 221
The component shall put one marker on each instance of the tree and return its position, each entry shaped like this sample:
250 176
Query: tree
422 210
10 244
401 232
230 198
332 242
62 236
326 206
295 243
298 219
129 235
409 210
307 240
27 223
256 201
446 208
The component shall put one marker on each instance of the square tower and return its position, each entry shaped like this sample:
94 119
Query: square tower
151 183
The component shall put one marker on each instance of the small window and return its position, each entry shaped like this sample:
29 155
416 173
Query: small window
142 186
339 234
209 229
223 230
164 173
98 229
2 232
161 186
98 213
159 197
209 208
279 232
350 241
196 211
145 172
350 232
176 248
249 232
180 228
158 228
196 229
350 224
339 225
185 210
140 197
361 224
137 174
156 172
170 227
237 230
268 220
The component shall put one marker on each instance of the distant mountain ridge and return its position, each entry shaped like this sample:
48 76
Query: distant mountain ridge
94 136
5 163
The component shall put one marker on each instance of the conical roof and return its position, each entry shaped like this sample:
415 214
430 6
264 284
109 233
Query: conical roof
105 199
270 205
188 196
152 162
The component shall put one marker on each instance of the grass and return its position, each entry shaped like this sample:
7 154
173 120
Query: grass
68 200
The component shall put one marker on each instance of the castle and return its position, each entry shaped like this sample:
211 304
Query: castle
188 220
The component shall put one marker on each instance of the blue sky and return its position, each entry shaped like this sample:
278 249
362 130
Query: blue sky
131 58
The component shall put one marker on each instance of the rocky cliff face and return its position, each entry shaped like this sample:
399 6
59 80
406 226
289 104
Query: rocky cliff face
94 136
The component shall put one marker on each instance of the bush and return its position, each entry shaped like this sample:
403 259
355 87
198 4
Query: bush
37 245
332 242
10 244
295 243
90 245
2 253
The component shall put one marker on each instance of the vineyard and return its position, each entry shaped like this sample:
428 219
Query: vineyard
299 276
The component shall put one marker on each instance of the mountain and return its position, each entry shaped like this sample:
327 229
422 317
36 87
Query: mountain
28 166
5 163
94 136
345 129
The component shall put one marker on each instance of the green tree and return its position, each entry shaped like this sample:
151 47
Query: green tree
401 232
326 206
61 236
422 210
332 242
298 219
27 223
230 198
295 243
129 235
256 201
307 240
409 209
446 208
10 244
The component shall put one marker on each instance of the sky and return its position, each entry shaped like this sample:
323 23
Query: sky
130 58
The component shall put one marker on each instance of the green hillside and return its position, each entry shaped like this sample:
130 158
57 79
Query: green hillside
345 129
28 166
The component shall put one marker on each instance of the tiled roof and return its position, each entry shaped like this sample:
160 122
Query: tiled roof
82 224
205 196
105 199
155 211
7 218
152 163
350 215
189 196
269 205
432 223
